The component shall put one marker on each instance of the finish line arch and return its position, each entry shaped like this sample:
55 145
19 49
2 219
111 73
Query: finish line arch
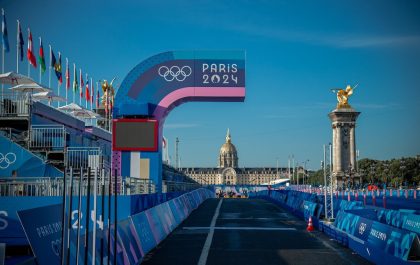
157 85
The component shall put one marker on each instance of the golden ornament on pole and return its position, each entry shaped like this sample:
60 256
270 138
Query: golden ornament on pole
108 92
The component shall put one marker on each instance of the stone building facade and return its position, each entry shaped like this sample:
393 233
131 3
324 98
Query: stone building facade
228 171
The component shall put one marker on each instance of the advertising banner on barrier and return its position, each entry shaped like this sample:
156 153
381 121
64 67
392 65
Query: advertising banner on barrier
130 241
393 241
412 223
145 233
43 228
309 209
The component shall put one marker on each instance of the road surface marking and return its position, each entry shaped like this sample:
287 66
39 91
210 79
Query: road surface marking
212 228
209 239
252 218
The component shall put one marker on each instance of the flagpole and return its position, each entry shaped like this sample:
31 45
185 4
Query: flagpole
49 69
17 47
80 87
97 101
74 92
67 88
2 45
2 60
40 77
58 80
92 94
86 103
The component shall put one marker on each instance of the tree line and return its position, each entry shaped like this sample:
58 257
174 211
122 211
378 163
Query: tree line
392 173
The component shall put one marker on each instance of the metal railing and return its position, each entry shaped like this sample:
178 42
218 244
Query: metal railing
83 157
47 137
171 186
14 104
138 186
55 186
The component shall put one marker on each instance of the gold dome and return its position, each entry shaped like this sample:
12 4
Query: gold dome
227 148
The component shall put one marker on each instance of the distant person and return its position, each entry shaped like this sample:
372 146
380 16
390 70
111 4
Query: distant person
17 189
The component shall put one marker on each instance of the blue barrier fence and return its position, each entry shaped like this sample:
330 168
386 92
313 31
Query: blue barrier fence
11 231
136 234
383 236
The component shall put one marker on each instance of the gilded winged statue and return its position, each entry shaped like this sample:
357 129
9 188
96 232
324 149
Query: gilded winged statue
343 96
108 93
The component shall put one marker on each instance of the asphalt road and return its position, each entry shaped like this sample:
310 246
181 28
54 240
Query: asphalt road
247 231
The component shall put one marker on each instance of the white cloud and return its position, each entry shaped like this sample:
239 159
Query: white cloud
180 125
338 40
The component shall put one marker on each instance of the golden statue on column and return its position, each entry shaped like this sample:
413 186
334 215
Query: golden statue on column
343 96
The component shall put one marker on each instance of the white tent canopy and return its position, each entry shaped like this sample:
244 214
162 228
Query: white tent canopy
12 78
32 87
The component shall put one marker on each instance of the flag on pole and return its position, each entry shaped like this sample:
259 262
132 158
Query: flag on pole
87 91
82 84
57 67
75 84
98 96
67 75
20 41
30 54
41 57
5 39
53 59
93 93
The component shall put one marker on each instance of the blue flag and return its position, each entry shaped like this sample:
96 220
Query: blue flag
5 39
21 42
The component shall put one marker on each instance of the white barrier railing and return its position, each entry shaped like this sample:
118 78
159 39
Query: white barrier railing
55 187
14 104
47 136
83 157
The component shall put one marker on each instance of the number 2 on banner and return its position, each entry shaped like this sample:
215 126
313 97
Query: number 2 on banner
76 222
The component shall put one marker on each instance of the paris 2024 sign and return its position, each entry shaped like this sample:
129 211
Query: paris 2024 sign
161 82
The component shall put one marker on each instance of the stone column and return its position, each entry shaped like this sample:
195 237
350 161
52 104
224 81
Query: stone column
353 146
338 146
344 142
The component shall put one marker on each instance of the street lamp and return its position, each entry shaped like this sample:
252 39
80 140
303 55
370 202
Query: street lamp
350 172
386 170
372 171
402 167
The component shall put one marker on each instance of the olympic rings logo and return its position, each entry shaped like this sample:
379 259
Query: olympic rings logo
7 160
174 73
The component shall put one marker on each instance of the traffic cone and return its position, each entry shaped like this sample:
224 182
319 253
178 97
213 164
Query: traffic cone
310 227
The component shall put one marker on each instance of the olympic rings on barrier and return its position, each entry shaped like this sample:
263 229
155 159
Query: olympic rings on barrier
174 72
7 159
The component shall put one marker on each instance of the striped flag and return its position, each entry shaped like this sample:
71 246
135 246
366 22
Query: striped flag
82 84
20 41
75 83
87 90
41 57
30 55
57 69
5 39
67 74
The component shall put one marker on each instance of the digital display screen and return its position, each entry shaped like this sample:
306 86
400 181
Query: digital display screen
135 135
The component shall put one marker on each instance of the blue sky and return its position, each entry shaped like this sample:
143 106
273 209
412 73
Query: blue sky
296 52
